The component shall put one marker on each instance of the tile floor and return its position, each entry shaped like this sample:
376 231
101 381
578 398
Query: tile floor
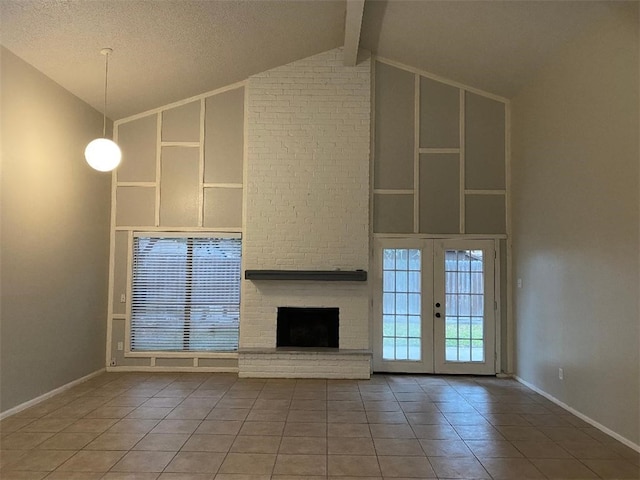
215 426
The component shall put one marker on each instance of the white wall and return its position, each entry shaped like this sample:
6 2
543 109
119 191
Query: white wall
55 237
575 225
307 192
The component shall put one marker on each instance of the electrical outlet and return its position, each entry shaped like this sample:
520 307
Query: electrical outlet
120 346
519 283
123 298
561 373
113 362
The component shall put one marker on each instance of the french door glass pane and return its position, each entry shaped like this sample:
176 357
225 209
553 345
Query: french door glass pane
401 293
464 293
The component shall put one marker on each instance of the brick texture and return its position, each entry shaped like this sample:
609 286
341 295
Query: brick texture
307 199
283 365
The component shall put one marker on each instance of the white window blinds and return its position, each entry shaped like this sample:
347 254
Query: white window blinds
185 294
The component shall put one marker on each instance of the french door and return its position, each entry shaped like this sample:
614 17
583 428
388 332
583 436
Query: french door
434 306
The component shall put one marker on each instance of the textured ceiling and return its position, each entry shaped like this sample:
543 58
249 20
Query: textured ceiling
168 50
163 50
492 45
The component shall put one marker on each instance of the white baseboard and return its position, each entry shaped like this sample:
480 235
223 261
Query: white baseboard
580 415
45 396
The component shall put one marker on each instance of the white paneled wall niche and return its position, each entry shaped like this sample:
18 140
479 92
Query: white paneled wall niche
441 169
182 170
440 158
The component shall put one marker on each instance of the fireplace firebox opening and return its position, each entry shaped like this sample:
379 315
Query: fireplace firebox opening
307 327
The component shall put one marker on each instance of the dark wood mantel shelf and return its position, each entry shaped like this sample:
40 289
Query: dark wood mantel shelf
314 275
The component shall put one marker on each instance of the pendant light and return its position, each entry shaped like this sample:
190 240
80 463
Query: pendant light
103 154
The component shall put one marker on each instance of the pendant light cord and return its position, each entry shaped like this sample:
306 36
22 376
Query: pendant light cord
104 115
103 154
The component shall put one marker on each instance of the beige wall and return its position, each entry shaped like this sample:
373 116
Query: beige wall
575 225
55 234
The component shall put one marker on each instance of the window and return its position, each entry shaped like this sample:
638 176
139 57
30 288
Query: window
401 293
464 289
185 293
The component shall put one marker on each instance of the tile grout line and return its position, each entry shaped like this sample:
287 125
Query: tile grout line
396 390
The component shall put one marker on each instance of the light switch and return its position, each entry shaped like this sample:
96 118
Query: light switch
519 283
120 346
123 298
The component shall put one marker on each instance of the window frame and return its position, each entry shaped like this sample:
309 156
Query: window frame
186 354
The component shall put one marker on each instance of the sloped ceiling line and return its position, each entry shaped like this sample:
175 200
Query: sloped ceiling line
440 78
168 50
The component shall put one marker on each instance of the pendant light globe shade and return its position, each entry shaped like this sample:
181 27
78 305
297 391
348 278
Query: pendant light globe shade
103 154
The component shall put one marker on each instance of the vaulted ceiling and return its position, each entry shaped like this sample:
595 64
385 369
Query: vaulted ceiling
168 50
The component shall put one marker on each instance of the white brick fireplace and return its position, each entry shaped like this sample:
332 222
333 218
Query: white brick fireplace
307 208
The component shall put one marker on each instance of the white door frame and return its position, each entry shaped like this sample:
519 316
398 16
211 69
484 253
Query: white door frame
428 362
488 366
426 278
